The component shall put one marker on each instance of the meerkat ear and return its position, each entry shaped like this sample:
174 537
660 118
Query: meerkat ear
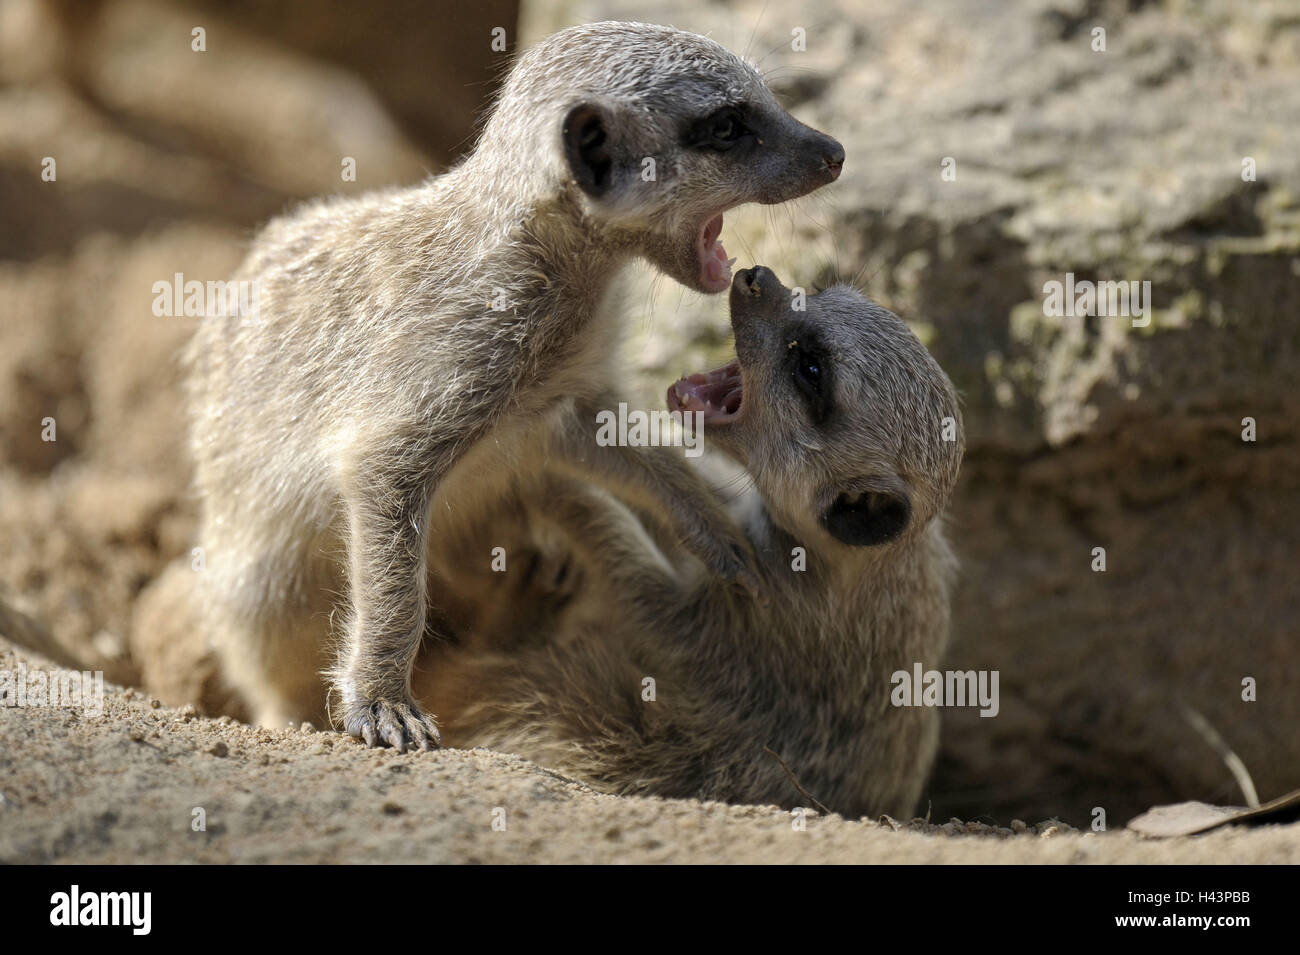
588 149
867 518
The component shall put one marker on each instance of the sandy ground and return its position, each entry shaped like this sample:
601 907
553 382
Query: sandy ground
124 787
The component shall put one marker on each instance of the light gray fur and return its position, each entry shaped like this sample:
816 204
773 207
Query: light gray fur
322 430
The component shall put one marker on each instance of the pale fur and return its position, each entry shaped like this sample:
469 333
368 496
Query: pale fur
322 430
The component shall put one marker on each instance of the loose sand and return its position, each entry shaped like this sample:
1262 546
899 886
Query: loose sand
125 787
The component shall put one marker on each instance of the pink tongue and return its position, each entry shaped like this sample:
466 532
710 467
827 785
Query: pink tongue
713 257
716 392
716 266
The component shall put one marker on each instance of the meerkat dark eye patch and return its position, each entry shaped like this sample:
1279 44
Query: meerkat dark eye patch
587 148
867 518
808 363
720 130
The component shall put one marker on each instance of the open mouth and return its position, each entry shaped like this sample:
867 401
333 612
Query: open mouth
715 267
718 394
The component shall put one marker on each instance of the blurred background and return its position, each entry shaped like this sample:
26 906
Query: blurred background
1124 163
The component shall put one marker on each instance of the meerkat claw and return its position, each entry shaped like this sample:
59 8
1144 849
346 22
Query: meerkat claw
391 730
397 725
734 563
744 577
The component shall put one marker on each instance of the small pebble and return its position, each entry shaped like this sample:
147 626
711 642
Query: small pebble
219 749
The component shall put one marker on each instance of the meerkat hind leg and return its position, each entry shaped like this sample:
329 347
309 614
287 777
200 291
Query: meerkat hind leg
282 684
272 654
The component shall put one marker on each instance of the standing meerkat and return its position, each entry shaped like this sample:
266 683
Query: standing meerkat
396 330
851 435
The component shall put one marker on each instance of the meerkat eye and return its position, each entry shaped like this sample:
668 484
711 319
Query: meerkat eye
726 129
721 130
808 367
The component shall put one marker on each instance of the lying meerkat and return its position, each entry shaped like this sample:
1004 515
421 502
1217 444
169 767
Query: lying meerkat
851 435
396 330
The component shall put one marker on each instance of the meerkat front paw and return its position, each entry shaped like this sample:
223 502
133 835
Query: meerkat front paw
746 576
399 725
552 579
728 557
531 603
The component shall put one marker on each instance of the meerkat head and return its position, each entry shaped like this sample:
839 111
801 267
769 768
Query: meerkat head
661 132
848 425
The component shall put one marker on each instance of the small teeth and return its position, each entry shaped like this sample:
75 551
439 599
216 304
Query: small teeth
731 261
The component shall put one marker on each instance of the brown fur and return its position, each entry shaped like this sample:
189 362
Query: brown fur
597 594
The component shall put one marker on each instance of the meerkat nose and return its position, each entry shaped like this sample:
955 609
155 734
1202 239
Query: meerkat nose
834 158
755 277
832 155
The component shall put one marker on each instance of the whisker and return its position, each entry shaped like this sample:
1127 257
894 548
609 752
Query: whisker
753 33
